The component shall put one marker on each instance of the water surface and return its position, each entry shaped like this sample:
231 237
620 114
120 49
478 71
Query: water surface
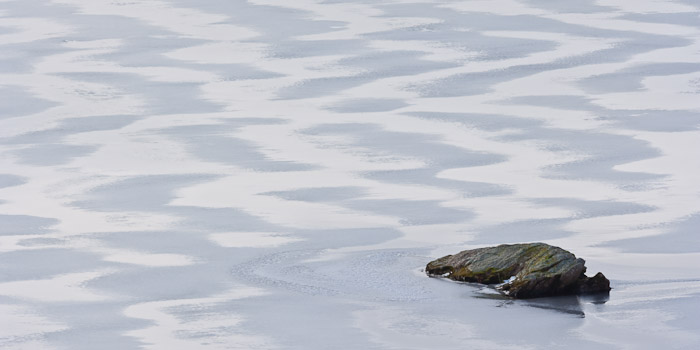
188 174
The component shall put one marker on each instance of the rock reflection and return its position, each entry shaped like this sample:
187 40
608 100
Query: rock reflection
567 304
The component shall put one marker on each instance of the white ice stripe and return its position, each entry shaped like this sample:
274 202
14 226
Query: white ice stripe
625 266
83 61
223 52
675 161
333 152
134 152
188 22
256 55
610 21
126 256
252 239
57 189
50 192
29 29
563 81
66 288
106 44
75 99
15 243
435 50
649 6
243 93
568 46
360 25
675 196
670 92
241 192
451 237
687 53
489 211
513 7
169 331
23 328
673 200
254 94
498 7
605 20
359 19
646 292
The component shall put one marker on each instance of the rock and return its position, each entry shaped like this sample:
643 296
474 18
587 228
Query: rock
521 270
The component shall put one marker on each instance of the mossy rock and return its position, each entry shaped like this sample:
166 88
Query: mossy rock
521 270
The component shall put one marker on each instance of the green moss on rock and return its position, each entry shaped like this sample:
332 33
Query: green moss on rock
538 269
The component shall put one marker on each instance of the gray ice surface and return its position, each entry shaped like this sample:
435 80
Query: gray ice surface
258 174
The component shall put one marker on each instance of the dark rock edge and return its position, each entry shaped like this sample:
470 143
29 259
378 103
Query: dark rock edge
524 262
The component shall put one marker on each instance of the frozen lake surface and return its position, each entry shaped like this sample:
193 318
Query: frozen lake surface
270 174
